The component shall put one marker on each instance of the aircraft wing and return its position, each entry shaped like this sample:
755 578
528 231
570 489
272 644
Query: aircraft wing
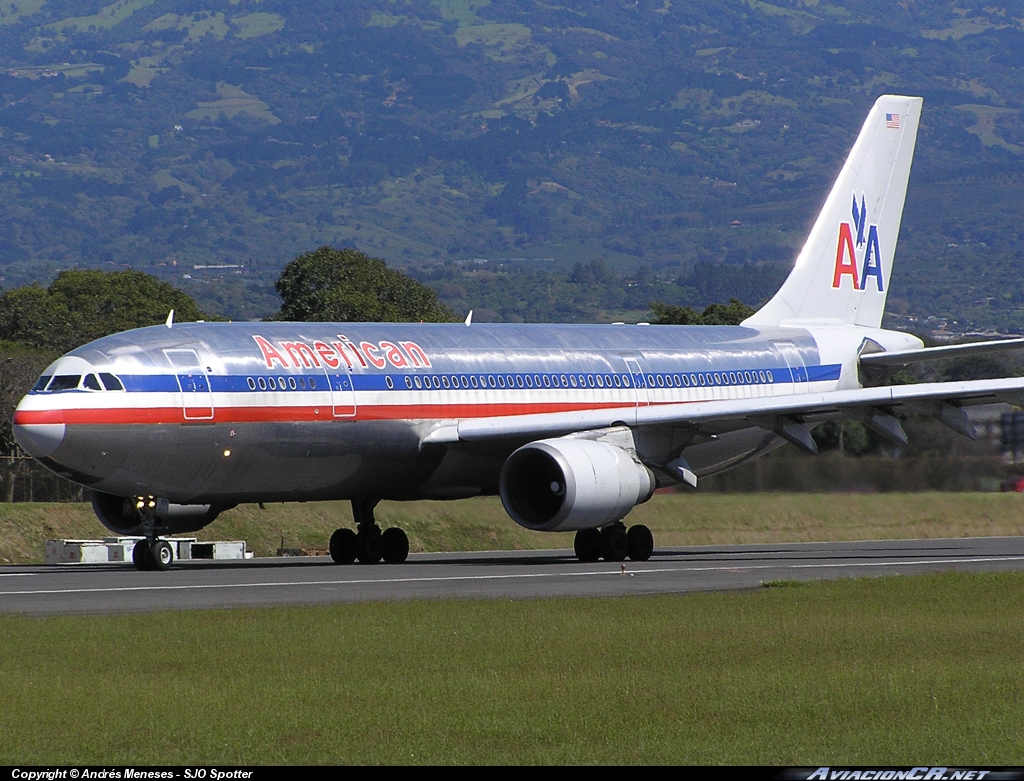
784 414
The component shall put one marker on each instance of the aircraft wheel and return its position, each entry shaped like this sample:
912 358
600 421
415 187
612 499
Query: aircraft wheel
161 555
140 556
614 545
343 546
394 545
587 545
369 545
640 542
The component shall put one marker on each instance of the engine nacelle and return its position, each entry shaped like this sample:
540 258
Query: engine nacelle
121 515
566 484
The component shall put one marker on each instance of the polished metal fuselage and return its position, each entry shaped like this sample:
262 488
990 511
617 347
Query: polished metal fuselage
223 413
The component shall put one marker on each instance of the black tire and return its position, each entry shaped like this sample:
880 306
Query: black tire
614 545
394 545
343 546
640 542
369 546
140 556
161 555
587 545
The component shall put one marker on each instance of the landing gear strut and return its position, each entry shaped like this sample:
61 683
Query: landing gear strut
151 553
369 544
614 543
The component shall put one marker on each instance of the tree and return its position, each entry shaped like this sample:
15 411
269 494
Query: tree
331 285
733 313
80 306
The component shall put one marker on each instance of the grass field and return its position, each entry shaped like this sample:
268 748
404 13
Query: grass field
481 524
888 670
885 671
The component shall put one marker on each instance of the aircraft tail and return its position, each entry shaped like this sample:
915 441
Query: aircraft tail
842 273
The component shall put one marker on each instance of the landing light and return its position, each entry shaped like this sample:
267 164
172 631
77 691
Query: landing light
227 453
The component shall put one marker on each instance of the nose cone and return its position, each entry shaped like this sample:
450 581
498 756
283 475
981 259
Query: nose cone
39 432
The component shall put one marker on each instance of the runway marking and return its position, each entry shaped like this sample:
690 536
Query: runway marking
517 576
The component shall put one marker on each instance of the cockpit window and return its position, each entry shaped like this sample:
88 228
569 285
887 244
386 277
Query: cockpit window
64 382
42 382
91 382
110 382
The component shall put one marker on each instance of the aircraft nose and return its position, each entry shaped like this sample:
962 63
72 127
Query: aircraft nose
38 433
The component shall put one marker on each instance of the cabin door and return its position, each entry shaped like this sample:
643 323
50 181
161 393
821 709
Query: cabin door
795 363
636 377
342 392
194 384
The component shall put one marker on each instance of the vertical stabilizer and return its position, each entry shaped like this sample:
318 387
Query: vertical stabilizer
842 273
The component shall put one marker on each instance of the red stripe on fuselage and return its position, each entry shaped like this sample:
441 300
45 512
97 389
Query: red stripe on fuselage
131 415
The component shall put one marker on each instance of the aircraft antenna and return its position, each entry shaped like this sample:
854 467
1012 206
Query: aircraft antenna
170 319
469 318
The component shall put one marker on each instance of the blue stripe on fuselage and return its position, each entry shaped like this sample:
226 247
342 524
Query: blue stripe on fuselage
317 380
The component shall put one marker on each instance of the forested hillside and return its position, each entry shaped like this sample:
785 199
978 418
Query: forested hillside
564 161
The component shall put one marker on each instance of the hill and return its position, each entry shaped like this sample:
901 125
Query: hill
212 141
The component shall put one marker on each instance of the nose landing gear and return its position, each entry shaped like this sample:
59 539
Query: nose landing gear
152 554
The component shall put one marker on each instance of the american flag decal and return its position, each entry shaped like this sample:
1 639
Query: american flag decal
892 121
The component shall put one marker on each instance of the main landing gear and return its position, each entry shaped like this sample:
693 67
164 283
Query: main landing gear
614 543
369 544
152 555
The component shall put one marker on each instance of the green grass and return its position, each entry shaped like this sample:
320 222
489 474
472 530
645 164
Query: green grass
8 14
213 24
105 18
481 524
232 101
461 11
880 671
257 24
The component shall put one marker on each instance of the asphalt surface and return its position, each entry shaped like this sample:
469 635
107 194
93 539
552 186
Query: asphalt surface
116 588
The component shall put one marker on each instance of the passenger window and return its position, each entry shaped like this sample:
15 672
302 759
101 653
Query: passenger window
91 382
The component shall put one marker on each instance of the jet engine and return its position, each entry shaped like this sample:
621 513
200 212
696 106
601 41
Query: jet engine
121 515
565 484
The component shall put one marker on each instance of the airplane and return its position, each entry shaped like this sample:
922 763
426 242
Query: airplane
571 425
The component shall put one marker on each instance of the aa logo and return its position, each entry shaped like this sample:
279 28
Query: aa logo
846 251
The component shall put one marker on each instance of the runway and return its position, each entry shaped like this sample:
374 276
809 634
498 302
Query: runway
116 588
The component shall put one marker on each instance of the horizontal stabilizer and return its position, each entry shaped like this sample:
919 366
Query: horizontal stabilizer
906 357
